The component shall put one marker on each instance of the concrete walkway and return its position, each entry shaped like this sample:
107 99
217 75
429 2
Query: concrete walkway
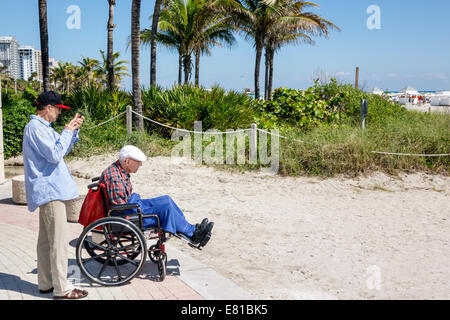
187 278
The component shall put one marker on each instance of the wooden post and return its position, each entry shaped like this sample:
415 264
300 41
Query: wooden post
357 77
253 159
129 120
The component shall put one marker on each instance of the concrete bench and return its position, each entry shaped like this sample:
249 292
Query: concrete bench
73 207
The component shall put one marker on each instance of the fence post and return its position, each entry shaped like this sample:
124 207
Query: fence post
363 114
129 120
253 145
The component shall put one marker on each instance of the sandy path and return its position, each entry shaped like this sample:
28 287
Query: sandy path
306 238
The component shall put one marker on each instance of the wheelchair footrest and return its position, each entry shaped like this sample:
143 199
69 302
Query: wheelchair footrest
187 239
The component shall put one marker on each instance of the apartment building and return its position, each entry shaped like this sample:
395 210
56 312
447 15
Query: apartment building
9 56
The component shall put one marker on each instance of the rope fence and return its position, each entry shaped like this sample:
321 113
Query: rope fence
100 124
253 130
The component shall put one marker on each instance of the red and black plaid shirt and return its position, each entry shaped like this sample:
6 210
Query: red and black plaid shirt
118 184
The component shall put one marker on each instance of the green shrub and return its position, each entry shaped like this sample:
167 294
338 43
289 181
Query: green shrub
181 106
298 108
16 114
96 103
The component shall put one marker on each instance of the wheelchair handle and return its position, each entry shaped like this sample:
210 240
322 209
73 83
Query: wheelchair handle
93 185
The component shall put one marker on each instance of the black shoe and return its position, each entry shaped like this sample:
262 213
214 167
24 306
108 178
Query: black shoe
46 291
206 234
198 232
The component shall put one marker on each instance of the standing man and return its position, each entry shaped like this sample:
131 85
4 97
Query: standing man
48 183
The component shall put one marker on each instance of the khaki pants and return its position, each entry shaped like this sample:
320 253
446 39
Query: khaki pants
52 248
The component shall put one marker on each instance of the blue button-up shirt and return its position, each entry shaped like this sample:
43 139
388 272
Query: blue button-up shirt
47 177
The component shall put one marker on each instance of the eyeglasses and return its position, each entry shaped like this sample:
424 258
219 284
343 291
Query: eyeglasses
58 109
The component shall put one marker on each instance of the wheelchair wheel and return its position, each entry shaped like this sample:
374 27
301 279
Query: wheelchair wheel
162 266
116 252
154 252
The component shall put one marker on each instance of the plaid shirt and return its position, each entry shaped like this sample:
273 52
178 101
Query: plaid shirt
118 184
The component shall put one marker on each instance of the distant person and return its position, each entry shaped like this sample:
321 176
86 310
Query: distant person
48 184
116 178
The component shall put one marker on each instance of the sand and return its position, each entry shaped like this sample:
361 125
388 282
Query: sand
375 237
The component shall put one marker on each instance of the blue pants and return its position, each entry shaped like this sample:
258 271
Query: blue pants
170 216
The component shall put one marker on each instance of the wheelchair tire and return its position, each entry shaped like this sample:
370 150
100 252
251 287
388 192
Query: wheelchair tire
154 252
162 266
121 241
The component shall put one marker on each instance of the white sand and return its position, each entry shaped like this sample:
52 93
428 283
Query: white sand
373 237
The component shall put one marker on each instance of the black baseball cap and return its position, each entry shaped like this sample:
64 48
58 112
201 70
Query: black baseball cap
50 97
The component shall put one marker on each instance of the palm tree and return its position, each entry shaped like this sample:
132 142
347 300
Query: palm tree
135 50
213 28
110 48
253 18
293 27
256 18
118 66
154 31
191 26
63 76
89 65
43 32
170 40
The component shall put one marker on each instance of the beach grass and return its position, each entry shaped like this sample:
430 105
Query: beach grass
348 150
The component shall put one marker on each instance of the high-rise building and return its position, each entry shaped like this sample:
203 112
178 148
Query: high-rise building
52 63
28 63
9 56
39 65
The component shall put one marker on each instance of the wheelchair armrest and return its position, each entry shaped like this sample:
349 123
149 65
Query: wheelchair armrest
121 207
93 185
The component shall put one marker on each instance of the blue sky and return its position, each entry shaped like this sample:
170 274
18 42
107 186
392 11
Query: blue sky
411 48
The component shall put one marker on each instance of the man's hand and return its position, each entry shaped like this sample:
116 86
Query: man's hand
75 123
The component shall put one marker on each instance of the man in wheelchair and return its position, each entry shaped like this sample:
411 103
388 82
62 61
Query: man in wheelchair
116 178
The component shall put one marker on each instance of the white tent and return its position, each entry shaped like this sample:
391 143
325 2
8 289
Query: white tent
409 90
377 90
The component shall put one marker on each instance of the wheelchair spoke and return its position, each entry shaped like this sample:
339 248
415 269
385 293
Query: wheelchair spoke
117 269
129 260
103 268
94 257
106 234
98 245
133 246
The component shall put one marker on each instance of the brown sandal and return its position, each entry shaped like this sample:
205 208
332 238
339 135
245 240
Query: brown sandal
74 294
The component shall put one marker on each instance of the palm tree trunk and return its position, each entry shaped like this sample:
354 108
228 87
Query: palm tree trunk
110 59
180 67
43 31
257 66
135 50
266 74
155 20
187 67
197 67
271 54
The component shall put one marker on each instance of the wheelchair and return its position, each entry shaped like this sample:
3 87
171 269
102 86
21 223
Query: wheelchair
113 249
